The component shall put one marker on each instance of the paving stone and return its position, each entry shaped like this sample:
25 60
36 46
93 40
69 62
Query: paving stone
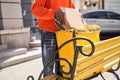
32 53
22 71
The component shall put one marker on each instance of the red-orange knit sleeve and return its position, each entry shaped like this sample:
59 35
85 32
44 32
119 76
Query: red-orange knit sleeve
40 11
71 4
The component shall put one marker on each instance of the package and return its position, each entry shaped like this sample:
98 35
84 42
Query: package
91 32
72 18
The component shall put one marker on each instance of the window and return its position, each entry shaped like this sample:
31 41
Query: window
88 15
112 15
97 15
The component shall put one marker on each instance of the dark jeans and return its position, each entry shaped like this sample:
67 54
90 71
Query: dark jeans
49 46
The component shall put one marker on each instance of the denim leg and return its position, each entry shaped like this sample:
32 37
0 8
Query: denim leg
49 46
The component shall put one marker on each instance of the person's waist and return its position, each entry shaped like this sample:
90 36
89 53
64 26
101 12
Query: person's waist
46 22
48 25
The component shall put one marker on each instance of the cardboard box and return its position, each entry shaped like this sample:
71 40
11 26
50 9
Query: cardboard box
72 18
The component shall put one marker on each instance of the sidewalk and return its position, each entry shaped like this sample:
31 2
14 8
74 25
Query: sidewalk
34 67
22 71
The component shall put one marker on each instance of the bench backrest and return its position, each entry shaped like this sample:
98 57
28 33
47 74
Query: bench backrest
106 55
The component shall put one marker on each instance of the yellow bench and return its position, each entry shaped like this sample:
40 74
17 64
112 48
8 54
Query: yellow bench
106 55
103 56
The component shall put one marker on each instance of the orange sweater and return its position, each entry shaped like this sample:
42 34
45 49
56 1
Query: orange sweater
44 11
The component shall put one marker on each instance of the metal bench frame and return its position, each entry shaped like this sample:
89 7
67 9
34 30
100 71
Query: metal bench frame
71 72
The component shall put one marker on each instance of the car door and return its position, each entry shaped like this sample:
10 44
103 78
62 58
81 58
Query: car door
113 21
97 17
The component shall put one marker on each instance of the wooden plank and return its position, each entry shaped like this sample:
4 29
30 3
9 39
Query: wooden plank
98 67
105 52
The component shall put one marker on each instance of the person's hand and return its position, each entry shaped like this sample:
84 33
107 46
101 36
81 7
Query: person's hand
59 16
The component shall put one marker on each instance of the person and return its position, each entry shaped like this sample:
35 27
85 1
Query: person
46 11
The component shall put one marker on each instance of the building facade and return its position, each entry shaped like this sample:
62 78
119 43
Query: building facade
114 5
98 4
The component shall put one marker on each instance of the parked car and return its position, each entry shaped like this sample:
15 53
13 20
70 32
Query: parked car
108 20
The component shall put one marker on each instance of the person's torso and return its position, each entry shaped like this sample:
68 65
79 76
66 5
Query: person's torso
55 4
50 25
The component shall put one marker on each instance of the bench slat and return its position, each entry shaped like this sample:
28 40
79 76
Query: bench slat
98 67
